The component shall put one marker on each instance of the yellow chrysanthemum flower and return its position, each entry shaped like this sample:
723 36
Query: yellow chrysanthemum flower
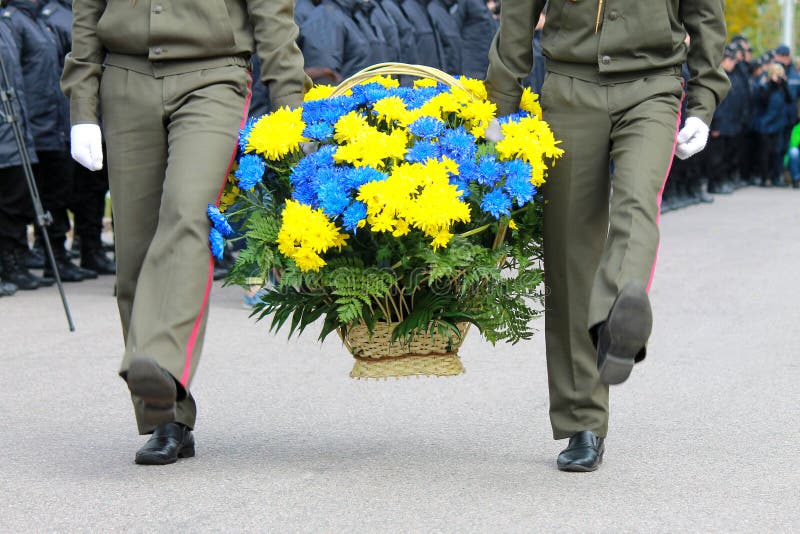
373 148
318 92
512 224
306 233
415 195
350 127
385 81
530 103
277 134
478 114
424 82
228 198
476 87
391 108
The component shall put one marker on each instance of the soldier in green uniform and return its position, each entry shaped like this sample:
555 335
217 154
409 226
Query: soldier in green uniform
612 94
169 81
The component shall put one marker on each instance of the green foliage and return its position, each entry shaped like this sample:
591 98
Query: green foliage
493 284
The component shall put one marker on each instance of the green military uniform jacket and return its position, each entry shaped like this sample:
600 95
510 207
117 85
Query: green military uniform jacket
611 41
178 36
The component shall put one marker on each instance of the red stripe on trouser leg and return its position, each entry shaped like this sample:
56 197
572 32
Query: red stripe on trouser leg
661 193
209 282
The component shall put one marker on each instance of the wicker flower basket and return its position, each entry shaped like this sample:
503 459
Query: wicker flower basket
376 357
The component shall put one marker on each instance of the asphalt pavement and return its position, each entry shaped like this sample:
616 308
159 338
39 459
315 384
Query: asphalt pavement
703 437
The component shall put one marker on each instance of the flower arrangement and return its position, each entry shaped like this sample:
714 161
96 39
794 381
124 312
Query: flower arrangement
376 204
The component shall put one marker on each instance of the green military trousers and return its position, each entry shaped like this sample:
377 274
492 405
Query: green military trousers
170 141
602 203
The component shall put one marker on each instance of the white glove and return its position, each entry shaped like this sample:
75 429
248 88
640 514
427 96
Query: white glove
87 145
494 132
692 138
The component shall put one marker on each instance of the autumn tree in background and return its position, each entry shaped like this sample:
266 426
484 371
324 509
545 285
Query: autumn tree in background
759 21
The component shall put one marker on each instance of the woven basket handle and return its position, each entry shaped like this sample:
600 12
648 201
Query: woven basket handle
398 69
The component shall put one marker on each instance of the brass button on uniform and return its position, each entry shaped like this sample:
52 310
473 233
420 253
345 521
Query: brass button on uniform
613 15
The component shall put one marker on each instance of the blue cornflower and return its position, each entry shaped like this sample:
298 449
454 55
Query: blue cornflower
518 181
333 197
355 213
355 177
244 133
370 92
308 167
427 127
217 243
305 193
250 171
489 170
319 131
458 144
328 110
219 220
514 117
422 151
496 203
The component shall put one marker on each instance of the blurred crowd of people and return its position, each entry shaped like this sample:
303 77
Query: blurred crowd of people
34 38
754 137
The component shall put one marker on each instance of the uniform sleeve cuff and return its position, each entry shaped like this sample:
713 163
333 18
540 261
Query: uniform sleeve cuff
83 110
291 100
701 104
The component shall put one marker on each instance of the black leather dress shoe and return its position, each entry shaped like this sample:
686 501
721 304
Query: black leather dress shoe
156 387
168 442
622 338
584 453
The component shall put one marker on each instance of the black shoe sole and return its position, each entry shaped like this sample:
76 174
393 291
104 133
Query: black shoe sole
157 389
148 459
626 332
578 468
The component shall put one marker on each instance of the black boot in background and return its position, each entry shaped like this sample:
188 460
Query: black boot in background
14 272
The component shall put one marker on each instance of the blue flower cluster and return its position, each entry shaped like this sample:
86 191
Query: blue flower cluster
509 181
219 221
319 183
250 171
427 127
217 243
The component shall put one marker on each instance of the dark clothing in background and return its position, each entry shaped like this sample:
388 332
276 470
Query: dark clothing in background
447 19
41 68
381 20
9 150
302 9
429 46
477 31
409 48
331 38
259 95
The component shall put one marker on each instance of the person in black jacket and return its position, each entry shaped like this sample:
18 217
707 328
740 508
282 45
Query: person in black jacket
409 48
40 59
332 39
726 126
88 202
447 19
16 209
772 97
429 45
477 31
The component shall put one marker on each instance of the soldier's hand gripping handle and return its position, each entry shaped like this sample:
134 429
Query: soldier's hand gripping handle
692 138
87 145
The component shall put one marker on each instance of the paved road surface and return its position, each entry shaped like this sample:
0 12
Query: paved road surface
704 437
